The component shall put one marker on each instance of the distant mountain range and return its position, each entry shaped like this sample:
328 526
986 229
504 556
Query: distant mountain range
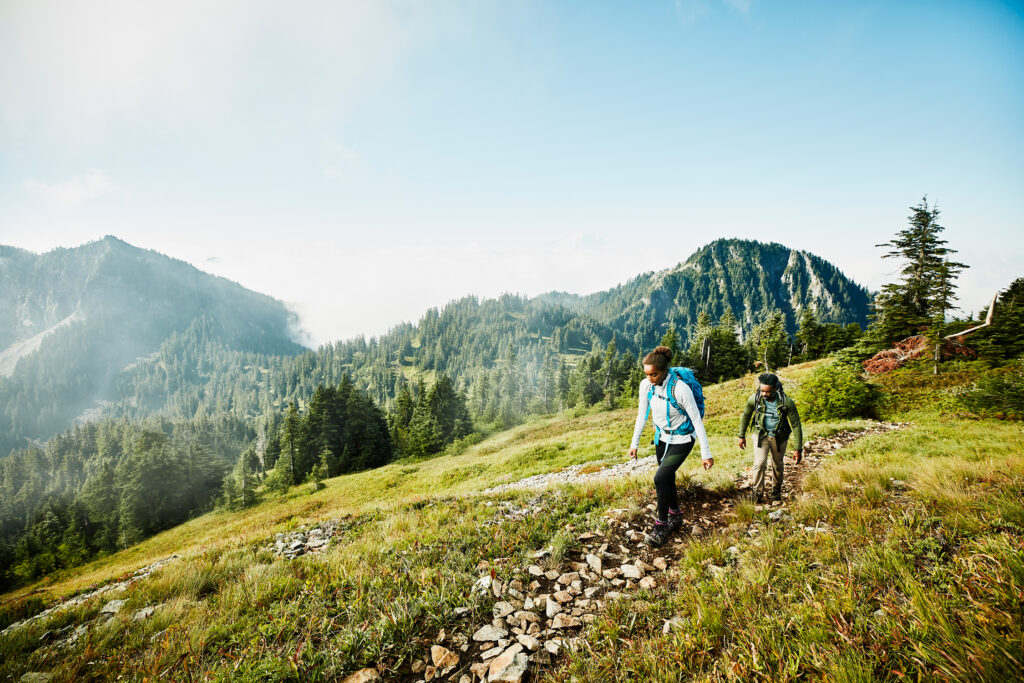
71 320
111 329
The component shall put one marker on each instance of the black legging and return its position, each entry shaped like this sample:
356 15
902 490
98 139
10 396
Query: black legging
669 460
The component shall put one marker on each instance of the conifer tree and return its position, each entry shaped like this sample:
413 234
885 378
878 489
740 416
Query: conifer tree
928 276
671 340
290 435
810 335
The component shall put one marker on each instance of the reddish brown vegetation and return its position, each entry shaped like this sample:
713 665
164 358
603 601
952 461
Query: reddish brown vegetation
912 348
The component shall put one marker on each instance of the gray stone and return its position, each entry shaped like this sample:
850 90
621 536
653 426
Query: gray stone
492 652
529 617
564 621
631 571
113 607
144 613
529 642
595 563
508 668
552 608
35 677
489 633
483 584
502 609
563 597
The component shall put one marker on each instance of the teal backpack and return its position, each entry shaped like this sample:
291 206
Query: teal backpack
675 374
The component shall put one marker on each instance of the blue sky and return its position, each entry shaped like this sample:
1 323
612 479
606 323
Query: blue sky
364 161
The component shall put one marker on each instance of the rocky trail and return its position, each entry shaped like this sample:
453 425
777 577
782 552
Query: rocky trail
544 608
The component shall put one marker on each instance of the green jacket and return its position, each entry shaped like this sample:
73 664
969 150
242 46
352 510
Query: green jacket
789 421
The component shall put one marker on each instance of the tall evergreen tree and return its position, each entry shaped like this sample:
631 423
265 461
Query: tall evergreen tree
928 276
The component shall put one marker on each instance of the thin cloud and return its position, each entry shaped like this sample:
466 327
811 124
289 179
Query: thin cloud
690 11
741 6
92 184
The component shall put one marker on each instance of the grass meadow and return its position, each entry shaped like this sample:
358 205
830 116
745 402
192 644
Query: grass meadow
915 571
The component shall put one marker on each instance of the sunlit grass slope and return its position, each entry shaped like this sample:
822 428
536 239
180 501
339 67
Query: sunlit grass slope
921 579
542 446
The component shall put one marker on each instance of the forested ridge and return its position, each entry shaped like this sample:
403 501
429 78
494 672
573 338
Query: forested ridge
265 420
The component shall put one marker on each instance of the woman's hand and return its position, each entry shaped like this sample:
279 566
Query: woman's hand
632 453
708 463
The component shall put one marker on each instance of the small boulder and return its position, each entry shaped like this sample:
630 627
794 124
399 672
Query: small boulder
502 609
489 633
510 667
443 658
144 613
113 607
564 621
529 642
363 676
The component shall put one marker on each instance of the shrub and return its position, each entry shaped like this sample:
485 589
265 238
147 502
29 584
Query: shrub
277 481
998 393
835 392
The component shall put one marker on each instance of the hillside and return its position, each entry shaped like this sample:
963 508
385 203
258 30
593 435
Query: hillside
72 321
897 555
479 343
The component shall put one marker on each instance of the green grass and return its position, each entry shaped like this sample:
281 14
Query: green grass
922 579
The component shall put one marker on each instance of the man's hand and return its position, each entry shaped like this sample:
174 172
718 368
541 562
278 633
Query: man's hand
632 453
743 443
798 456
708 463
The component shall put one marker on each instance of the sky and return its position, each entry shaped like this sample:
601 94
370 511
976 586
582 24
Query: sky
365 161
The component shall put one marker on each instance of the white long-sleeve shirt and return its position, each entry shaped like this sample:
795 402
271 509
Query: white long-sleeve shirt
684 397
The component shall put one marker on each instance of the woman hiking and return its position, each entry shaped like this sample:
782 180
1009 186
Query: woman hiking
674 430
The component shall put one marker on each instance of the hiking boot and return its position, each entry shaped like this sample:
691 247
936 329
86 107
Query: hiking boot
658 535
777 493
674 522
757 498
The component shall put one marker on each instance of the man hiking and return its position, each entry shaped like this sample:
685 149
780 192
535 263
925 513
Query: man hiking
677 418
776 420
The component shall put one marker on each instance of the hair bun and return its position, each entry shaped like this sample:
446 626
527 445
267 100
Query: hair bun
664 351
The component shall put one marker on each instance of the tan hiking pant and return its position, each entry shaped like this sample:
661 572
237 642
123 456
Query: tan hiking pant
776 450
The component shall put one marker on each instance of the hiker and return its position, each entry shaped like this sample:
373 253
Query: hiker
776 420
677 418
